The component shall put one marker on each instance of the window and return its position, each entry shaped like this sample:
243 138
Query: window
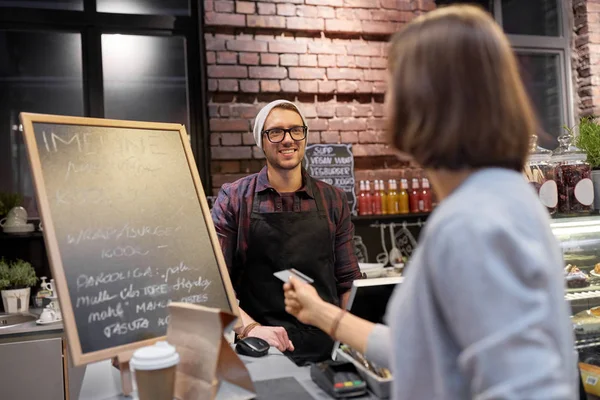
45 4
539 33
540 72
40 72
157 7
145 78
531 17
485 4
118 59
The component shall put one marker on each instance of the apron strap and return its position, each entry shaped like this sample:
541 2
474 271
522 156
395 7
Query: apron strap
256 200
258 197
296 203
316 193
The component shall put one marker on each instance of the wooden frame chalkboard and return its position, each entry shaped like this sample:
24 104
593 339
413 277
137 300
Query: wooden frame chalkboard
137 259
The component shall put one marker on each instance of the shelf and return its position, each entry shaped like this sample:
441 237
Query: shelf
21 236
586 341
594 213
589 294
392 217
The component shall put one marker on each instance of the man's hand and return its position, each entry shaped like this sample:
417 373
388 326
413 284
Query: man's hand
275 335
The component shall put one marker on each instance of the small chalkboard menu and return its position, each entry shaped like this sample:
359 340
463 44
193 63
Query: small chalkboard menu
333 164
127 229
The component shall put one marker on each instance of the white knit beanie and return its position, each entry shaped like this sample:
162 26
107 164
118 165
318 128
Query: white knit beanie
259 122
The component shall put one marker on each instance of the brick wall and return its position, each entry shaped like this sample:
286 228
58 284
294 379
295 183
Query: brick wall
586 56
328 56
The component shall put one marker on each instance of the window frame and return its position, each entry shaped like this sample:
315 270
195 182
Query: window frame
560 45
91 24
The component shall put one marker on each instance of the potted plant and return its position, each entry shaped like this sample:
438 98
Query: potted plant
16 279
588 140
8 201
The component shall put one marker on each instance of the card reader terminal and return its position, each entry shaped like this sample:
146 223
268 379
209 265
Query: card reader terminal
338 378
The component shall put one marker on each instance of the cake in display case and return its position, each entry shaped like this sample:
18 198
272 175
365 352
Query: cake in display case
579 238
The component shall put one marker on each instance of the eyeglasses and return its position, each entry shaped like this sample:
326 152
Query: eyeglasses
276 135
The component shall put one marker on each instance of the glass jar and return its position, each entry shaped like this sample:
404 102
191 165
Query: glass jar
539 172
573 177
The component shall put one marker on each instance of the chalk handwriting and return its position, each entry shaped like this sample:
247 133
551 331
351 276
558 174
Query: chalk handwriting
151 306
86 281
88 143
129 293
114 233
183 283
85 196
73 168
323 150
110 312
330 171
99 298
175 270
344 160
127 251
122 328
320 160
156 290
196 298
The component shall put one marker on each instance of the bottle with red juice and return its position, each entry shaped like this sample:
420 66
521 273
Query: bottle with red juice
414 196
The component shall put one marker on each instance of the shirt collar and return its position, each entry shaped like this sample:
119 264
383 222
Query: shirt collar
262 182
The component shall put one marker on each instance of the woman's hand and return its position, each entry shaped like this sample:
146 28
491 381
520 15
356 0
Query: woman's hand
301 300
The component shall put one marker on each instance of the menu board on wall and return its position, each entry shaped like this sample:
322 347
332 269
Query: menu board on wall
333 164
127 229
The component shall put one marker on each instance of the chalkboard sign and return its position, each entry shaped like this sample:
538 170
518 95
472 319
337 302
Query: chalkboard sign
333 164
127 229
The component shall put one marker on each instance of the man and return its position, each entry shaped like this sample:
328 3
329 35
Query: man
281 218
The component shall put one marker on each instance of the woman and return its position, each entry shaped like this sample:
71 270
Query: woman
481 312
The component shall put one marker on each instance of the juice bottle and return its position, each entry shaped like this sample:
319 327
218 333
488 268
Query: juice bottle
376 199
363 206
369 198
403 197
425 197
390 198
384 202
414 196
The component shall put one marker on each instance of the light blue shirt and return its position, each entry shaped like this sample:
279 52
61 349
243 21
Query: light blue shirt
481 313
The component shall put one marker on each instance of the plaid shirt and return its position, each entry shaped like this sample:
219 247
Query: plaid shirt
233 228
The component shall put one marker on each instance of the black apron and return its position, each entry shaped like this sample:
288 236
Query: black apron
283 240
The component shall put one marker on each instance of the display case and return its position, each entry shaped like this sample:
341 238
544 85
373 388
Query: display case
579 238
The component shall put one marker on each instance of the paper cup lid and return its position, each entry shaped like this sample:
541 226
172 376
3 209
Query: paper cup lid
160 355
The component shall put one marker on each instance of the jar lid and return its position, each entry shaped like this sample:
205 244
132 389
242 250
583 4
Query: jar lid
566 150
159 356
537 153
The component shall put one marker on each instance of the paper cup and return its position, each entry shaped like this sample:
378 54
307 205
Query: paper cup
154 368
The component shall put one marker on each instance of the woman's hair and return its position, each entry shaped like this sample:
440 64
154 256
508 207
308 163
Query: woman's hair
457 100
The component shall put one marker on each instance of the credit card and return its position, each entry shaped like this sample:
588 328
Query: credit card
285 274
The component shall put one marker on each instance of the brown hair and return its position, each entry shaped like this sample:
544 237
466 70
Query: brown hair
288 106
457 100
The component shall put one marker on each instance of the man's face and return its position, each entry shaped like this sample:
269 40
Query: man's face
287 154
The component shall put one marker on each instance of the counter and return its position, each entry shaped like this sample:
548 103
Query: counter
31 328
274 376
